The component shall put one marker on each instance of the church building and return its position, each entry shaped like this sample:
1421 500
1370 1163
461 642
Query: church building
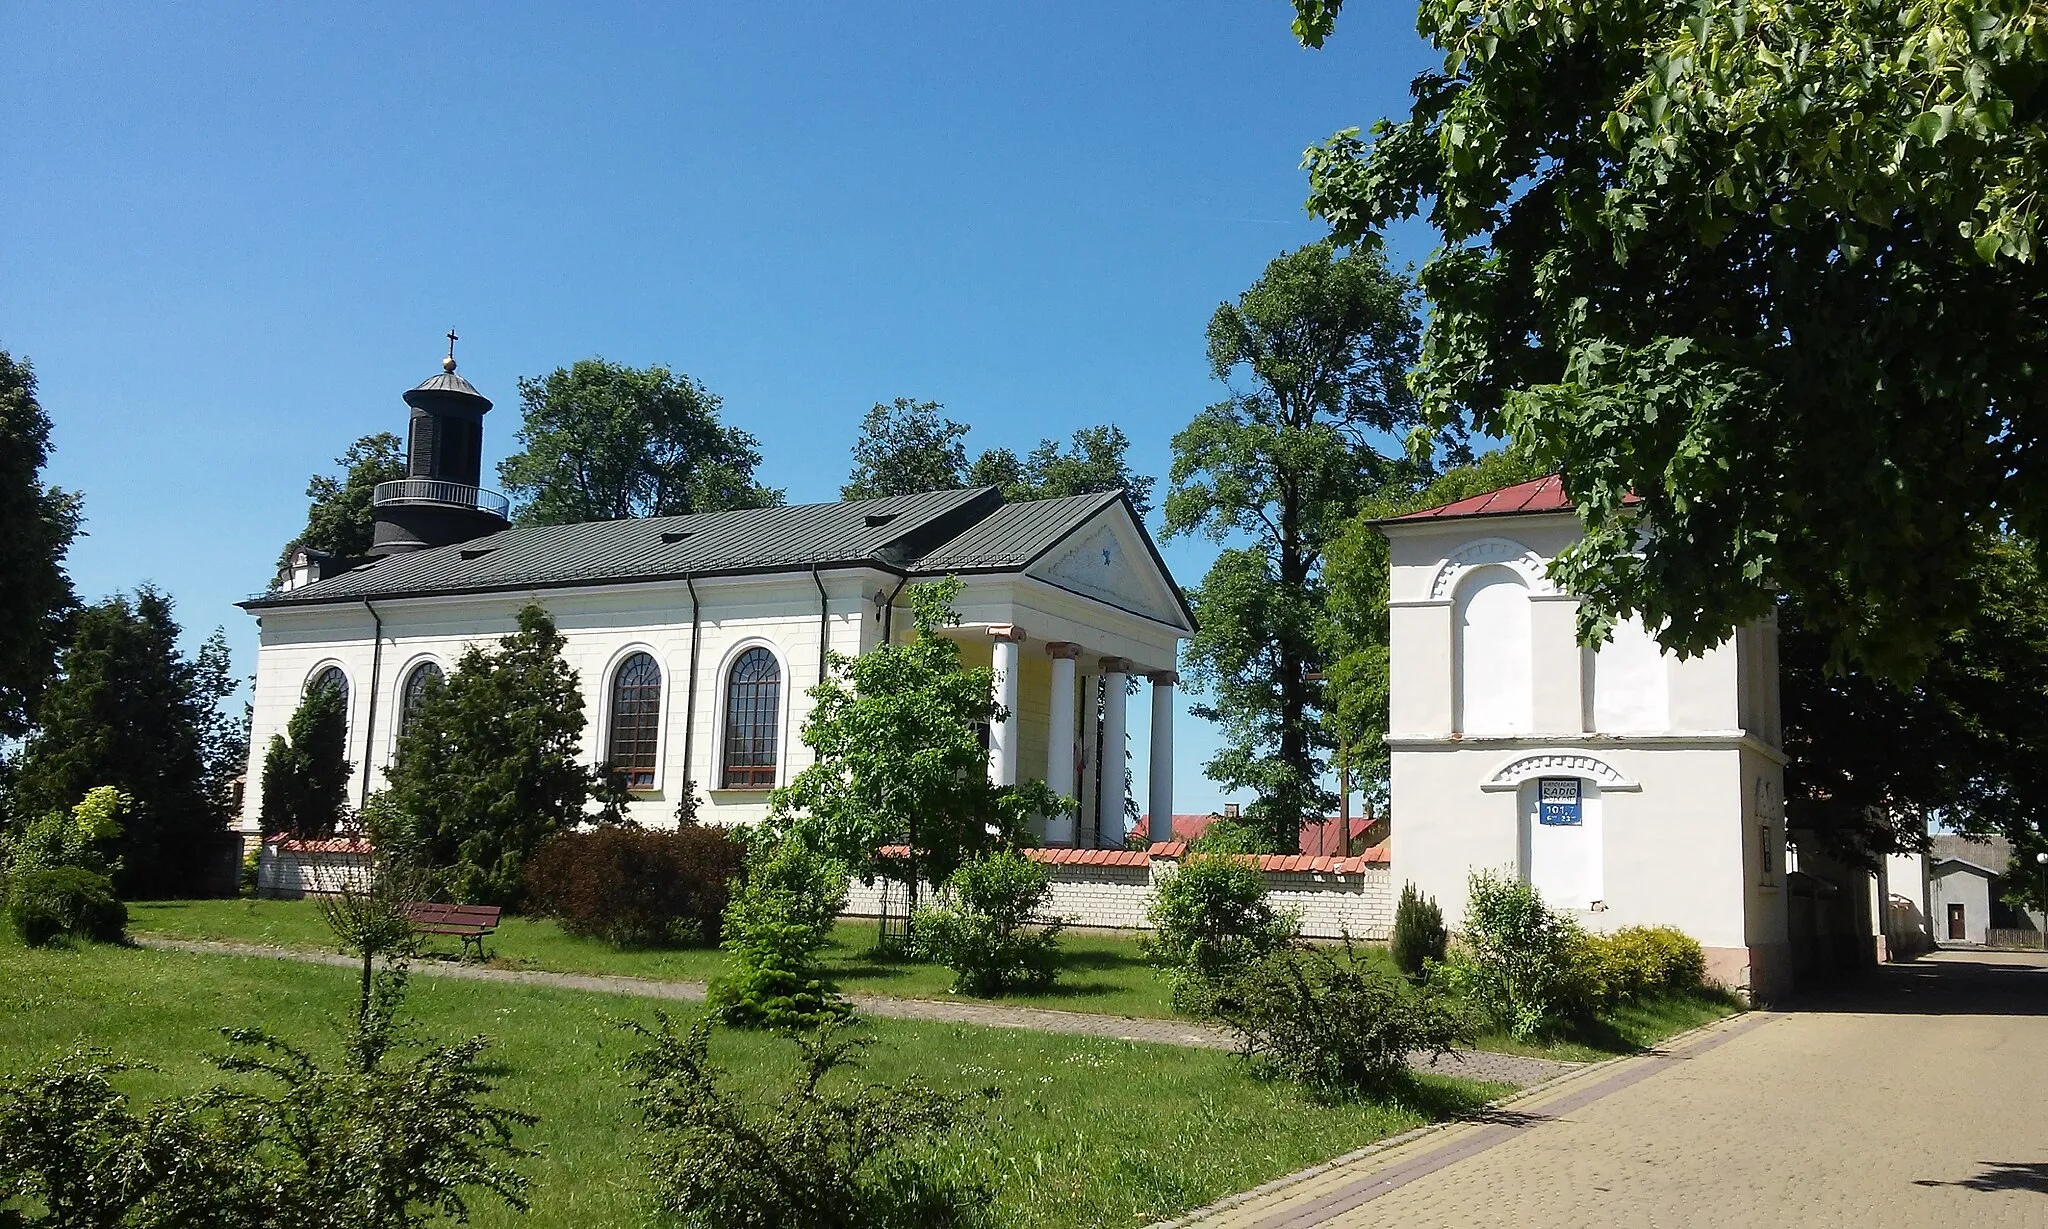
1629 786
697 639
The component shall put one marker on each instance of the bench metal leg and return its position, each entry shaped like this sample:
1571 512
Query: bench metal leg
476 941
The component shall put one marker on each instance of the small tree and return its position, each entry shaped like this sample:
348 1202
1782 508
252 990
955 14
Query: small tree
1419 935
780 915
306 768
491 766
342 518
898 760
991 928
1212 917
1521 963
906 447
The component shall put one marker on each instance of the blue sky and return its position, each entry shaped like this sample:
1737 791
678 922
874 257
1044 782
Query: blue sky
230 236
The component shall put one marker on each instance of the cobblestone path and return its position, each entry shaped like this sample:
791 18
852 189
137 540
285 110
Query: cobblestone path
1470 1064
1915 1098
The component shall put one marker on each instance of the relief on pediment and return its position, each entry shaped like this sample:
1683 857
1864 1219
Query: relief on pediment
1114 568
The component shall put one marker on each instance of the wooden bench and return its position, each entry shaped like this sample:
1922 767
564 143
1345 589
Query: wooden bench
470 923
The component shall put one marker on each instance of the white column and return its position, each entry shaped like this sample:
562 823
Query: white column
1088 824
1115 771
1059 740
1161 793
1003 732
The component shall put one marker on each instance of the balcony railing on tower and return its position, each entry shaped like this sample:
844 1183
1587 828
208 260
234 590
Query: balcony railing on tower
443 494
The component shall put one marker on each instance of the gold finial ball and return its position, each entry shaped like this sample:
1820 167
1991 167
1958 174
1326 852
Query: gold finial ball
448 364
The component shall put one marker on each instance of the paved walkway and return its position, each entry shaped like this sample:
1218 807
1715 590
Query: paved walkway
1471 1064
1915 1098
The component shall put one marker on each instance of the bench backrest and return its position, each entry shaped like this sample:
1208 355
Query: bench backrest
428 913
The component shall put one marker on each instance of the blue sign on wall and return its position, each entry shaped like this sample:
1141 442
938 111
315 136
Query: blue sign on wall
1557 802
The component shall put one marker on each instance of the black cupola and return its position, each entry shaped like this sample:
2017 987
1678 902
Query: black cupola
439 501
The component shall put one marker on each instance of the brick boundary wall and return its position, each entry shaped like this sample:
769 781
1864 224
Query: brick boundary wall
289 869
1113 888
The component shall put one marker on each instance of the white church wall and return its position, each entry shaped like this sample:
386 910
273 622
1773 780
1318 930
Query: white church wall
600 628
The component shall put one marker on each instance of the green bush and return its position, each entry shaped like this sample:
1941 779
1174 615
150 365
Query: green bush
44 904
636 887
77 838
858 1157
1212 917
1524 966
1638 961
988 927
1418 939
1231 836
1331 1020
779 916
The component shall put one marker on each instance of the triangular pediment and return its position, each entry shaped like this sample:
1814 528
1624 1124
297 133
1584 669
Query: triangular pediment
1109 559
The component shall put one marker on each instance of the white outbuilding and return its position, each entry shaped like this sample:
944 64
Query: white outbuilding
1629 786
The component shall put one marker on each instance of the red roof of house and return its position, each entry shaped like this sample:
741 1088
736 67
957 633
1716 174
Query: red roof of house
1521 499
1317 836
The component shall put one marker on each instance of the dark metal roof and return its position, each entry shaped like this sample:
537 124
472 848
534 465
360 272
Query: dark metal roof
931 533
889 533
447 383
1015 535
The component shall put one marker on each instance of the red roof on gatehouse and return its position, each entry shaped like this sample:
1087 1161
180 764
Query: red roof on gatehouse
1537 496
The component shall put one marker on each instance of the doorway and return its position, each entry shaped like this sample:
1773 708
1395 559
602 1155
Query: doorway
1955 923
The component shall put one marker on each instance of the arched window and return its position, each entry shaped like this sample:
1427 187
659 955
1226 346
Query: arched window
753 701
420 685
636 720
330 676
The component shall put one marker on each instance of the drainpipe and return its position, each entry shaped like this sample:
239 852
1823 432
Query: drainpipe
690 700
824 623
889 611
370 715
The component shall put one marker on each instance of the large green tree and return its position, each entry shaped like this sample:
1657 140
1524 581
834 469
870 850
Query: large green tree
306 768
1773 268
1355 573
491 765
223 722
905 447
1872 758
1315 356
1095 459
342 517
899 761
37 524
126 711
600 441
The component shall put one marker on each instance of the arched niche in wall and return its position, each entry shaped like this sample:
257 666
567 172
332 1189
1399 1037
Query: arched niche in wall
1491 652
1561 821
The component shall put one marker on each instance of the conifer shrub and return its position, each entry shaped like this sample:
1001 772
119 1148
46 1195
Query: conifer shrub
1329 1019
990 928
780 915
48 903
636 887
843 1157
1418 937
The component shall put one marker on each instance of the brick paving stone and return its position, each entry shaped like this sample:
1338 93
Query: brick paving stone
1471 1064
1914 1098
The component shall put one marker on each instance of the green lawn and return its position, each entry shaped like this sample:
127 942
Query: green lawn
1099 972
1087 1132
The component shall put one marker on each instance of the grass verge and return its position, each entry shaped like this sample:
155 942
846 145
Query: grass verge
1104 973
1087 1132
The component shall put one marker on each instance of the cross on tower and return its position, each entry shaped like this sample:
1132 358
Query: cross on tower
448 364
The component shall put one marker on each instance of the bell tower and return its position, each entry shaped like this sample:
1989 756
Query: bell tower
439 501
